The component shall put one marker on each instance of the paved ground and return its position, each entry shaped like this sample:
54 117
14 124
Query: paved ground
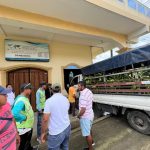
74 124
111 134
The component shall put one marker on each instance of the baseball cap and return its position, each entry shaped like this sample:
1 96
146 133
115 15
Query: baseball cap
56 85
4 91
26 86
43 83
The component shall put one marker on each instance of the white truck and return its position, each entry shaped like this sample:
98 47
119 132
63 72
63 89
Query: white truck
121 85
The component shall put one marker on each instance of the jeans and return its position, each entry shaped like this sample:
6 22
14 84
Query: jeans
39 124
60 141
72 109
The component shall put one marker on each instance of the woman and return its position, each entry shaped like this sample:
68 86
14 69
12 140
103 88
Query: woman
9 138
11 95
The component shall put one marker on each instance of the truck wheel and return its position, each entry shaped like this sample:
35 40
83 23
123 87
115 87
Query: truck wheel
139 121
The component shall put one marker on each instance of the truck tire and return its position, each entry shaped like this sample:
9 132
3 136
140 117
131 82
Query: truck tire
139 121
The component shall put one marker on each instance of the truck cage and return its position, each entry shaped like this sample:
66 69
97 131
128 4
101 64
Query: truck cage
131 77
122 61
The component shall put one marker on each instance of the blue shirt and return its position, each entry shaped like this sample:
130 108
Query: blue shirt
38 96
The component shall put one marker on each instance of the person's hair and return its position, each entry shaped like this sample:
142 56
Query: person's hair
42 83
49 84
8 85
57 89
72 84
11 86
82 83
22 90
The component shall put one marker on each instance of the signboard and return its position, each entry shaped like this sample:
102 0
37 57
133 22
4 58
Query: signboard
26 51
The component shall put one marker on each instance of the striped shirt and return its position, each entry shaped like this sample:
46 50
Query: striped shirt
86 101
7 129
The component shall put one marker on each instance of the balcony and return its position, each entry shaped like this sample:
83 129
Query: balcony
136 5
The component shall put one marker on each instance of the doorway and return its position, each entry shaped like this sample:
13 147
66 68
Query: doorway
70 70
27 75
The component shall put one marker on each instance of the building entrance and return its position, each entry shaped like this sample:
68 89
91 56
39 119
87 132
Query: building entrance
27 75
69 73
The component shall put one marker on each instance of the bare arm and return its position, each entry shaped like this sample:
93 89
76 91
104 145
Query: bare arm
17 135
82 111
44 126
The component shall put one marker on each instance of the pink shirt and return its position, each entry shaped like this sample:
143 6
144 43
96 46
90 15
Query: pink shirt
86 101
7 129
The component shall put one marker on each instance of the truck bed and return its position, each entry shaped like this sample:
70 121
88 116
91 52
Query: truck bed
127 101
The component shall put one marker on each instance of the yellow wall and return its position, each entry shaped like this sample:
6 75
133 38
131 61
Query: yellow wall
61 55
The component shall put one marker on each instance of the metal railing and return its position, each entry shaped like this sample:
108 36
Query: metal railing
136 5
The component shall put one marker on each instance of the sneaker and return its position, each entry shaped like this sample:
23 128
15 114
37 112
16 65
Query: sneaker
93 144
88 148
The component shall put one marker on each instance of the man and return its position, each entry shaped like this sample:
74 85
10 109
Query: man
72 97
86 114
48 91
8 132
56 120
71 75
24 116
40 103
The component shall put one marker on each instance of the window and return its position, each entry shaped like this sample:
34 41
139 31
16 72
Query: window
132 4
141 8
148 12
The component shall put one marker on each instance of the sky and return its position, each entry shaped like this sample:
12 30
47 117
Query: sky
143 40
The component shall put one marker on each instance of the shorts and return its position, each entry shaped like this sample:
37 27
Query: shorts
86 125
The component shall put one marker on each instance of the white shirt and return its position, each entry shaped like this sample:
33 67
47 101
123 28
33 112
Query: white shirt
57 106
11 98
23 131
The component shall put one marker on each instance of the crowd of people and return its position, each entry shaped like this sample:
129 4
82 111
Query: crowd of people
53 122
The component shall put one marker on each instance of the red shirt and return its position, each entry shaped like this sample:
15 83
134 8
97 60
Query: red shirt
7 129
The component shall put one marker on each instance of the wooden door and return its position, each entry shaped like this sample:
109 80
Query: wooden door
27 75
18 77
